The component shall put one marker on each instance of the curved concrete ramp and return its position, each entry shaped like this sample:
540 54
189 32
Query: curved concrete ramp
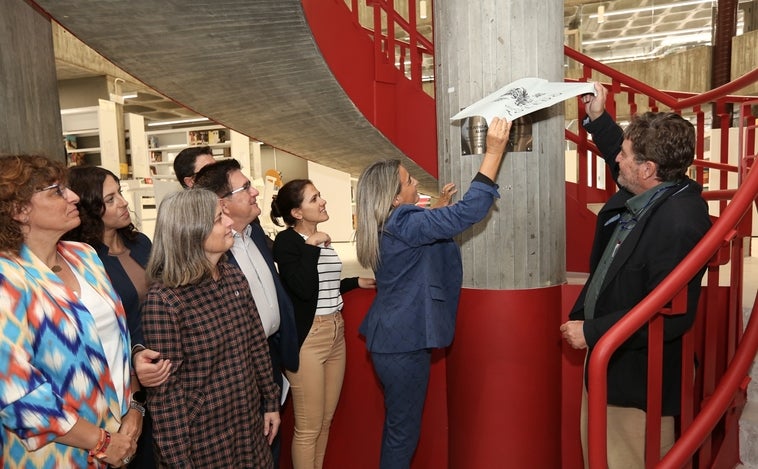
252 66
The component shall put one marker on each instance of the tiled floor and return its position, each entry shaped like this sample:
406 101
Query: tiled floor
749 421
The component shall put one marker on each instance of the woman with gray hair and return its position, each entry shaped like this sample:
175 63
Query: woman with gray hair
199 313
418 273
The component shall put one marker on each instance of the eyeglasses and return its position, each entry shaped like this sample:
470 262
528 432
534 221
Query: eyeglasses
59 189
245 187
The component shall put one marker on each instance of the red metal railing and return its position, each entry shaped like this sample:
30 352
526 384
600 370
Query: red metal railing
375 69
407 54
639 95
723 352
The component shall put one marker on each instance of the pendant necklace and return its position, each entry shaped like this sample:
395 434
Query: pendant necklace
56 267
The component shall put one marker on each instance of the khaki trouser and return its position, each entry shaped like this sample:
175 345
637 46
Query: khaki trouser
626 436
316 389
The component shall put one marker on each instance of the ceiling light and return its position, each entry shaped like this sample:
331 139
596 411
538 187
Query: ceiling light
646 36
180 121
601 14
652 8
129 95
687 39
422 9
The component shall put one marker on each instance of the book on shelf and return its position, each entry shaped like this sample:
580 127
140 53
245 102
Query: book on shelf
71 142
216 136
198 137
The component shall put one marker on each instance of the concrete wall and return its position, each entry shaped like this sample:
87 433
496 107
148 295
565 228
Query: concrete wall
684 71
30 121
334 186
745 58
82 92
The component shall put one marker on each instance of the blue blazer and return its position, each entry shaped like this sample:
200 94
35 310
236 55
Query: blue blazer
285 339
420 273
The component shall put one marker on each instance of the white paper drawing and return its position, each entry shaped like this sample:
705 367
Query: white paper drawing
523 97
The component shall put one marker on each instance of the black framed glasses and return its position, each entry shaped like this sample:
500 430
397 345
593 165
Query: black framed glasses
59 189
245 187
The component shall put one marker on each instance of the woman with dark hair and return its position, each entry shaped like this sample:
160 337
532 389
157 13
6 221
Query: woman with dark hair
107 226
200 314
310 271
65 385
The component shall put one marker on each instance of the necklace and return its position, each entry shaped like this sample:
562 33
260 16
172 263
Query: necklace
56 267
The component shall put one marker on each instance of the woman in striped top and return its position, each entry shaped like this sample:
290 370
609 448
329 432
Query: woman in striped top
310 270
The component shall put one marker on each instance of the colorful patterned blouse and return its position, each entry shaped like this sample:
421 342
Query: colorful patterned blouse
54 369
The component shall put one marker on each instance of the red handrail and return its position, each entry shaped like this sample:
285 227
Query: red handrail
391 51
668 98
714 408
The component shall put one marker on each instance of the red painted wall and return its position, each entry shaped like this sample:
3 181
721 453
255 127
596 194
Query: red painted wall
507 390
504 379
572 364
356 433
580 231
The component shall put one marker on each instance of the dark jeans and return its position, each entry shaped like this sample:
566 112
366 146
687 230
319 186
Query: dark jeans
404 378
144 458
273 348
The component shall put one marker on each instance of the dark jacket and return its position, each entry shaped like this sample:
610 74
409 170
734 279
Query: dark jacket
139 250
671 227
298 267
283 344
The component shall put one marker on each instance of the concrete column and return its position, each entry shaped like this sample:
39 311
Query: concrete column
750 10
480 47
503 369
30 121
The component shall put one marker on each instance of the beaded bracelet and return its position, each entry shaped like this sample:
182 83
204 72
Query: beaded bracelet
98 452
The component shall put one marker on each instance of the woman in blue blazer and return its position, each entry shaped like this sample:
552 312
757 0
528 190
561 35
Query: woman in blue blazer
418 279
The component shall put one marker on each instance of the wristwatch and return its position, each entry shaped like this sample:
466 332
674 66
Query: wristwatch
139 399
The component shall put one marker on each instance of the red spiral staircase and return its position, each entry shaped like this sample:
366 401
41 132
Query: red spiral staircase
382 77
372 67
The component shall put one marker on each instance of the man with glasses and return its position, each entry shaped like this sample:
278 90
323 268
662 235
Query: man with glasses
189 161
251 252
642 233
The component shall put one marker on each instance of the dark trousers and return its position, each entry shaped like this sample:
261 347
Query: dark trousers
404 378
273 349
144 458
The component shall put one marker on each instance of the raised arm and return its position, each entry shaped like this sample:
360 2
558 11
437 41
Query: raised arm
497 138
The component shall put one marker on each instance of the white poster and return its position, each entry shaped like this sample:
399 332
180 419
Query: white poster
523 97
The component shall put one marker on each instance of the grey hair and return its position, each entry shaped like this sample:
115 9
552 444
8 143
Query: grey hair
185 220
377 187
